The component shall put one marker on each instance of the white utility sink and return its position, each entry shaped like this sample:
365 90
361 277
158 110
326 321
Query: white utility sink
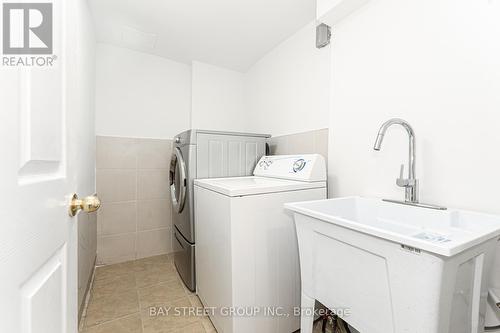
396 268
444 232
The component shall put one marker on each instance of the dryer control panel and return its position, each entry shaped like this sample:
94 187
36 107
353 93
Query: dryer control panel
308 167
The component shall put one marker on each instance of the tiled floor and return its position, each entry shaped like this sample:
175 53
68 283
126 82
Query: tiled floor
123 294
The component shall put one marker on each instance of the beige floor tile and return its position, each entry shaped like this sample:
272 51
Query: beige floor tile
207 324
120 291
152 277
199 308
112 307
152 262
111 286
154 271
195 301
192 328
113 271
161 294
170 258
129 324
177 318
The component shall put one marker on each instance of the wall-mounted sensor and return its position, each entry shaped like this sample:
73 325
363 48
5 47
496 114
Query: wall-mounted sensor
323 35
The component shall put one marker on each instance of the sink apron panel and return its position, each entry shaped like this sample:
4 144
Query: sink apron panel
390 287
493 310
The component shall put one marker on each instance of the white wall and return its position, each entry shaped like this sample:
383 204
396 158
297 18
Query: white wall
287 91
435 64
140 95
218 99
85 171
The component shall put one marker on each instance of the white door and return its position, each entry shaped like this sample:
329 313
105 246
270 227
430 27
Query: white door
44 136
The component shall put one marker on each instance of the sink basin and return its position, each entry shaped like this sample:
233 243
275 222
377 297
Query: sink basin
396 268
444 232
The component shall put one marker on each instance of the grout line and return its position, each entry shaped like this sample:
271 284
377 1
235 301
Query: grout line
121 169
166 168
137 230
119 202
113 319
119 234
156 229
155 199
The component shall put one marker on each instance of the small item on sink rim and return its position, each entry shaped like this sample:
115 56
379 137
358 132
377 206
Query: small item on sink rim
432 237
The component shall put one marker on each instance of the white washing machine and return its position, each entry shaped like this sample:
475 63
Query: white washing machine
247 261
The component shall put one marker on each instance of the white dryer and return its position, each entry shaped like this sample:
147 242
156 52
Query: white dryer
247 259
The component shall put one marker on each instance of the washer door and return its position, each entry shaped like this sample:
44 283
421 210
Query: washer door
178 181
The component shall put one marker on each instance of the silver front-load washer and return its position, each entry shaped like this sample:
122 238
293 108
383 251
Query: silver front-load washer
204 154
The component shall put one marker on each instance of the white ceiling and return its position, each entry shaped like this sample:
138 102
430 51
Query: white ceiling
228 33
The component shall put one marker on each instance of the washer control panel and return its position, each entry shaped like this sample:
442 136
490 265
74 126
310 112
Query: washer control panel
308 167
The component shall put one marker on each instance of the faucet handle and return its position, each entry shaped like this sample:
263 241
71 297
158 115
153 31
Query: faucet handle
404 182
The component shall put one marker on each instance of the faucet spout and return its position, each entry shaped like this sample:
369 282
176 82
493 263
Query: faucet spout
378 142
411 183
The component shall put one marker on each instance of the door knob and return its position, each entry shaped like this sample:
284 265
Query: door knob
88 204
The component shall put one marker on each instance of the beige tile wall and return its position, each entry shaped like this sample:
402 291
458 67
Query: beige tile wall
132 181
87 248
311 142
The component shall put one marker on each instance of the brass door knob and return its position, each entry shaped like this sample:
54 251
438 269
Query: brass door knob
88 204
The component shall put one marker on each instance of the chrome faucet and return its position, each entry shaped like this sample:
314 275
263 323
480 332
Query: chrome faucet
411 183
